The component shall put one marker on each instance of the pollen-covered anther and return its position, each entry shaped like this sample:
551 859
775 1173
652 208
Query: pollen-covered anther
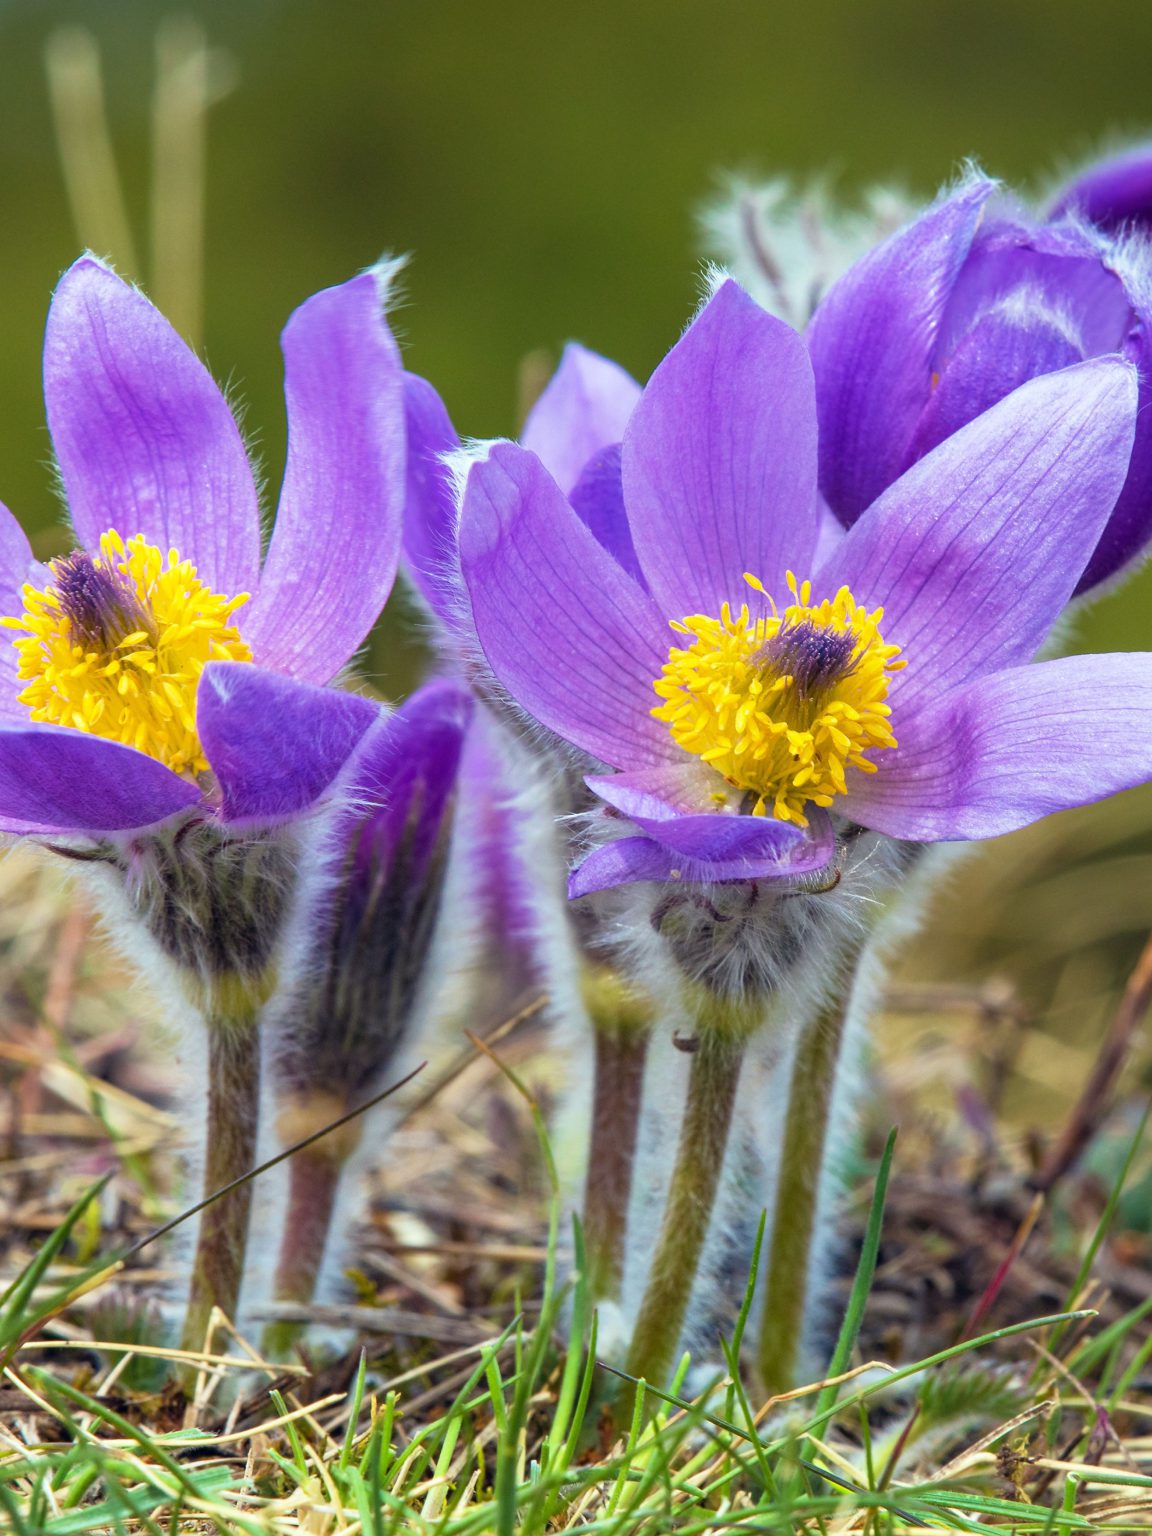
115 645
782 705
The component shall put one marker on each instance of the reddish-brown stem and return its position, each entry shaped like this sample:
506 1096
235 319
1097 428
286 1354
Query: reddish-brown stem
616 1095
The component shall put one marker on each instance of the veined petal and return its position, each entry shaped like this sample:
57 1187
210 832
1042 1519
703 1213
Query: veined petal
144 438
275 745
336 542
1129 529
17 566
1012 747
974 552
430 557
585 408
598 500
719 460
673 789
872 341
54 780
570 636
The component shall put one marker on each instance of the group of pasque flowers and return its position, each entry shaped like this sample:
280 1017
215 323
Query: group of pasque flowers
731 648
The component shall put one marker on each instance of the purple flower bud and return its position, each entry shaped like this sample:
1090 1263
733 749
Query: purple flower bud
1114 194
949 316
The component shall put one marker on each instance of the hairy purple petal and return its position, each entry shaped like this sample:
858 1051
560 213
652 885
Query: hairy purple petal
720 460
873 342
1113 194
1012 747
1129 529
585 408
57 780
336 542
974 552
144 439
430 507
681 788
275 745
570 636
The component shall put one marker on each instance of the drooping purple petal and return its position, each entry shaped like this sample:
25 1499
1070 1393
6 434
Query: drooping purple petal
144 438
720 460
408 770
570 636
598 500
275 745
1008 345
54 780
706 849
1113 194
17 566
873 340
336 542
974 551
585 408
1010 748
430 557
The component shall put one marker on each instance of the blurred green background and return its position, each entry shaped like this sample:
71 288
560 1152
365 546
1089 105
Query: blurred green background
544 164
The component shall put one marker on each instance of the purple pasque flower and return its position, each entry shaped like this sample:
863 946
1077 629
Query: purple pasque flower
951 314
1115 193
575 429
891 694
163 669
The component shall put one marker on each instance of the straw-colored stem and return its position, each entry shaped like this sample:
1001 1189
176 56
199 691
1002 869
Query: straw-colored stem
233 1122
804 1151
712 1085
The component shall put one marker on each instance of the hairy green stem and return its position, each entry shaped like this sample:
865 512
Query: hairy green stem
233 1122
804 1150
712 1085
616 1095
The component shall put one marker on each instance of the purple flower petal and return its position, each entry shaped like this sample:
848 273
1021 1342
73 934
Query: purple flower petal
873 340
707 849
336 542
720 460
430 557
144 439
54 780
585 407
598 500
1010 748
408 769
275 745
17 566
1006 347
570 636
1129 529
673 789
974 551
1113 194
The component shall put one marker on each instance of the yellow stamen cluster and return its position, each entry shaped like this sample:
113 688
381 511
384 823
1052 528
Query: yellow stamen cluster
780 706
115 646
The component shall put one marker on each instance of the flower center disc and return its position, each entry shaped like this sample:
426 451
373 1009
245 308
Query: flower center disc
115 646
782 705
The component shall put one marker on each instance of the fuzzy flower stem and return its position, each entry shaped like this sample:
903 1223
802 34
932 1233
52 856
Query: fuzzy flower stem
712 1088
804 1148
313 1182
621 1021
233 1123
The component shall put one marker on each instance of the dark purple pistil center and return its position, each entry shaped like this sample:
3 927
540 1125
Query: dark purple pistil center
99 604
814 657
